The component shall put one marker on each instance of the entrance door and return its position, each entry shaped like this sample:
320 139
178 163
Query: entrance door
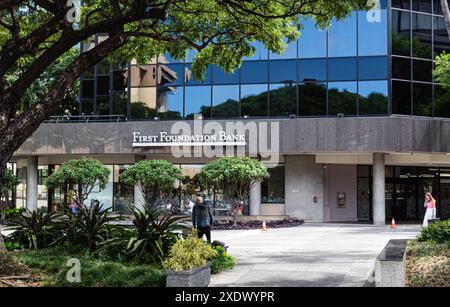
404 206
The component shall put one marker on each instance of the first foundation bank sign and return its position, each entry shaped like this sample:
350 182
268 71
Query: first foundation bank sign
163 139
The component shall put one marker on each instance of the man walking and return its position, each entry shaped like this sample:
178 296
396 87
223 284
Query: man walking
202 219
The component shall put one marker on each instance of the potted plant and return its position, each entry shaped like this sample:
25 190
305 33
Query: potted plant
187 264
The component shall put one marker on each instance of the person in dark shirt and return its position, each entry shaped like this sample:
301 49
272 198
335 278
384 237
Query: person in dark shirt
202 219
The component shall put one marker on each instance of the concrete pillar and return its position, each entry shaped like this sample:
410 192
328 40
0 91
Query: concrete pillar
139 200
255 199
32 183
379 208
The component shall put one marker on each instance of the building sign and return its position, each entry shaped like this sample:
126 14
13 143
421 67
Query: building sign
165 139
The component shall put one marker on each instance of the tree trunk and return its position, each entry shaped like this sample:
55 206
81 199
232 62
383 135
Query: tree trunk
2 245
446 12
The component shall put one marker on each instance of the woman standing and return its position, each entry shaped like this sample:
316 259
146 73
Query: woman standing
430 204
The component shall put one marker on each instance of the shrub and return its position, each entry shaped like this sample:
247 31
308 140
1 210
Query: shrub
35 229
188 254
155 233
437 232
221 261
13 213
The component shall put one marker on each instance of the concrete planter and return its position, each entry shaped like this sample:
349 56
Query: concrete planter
198 277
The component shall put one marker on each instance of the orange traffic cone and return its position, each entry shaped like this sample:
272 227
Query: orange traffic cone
393 225
264 227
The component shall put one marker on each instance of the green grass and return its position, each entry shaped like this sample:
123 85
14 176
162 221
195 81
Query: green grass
51 266
428 264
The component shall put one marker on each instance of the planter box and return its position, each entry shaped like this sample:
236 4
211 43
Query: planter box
198 277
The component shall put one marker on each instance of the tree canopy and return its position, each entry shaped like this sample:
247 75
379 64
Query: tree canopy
80 178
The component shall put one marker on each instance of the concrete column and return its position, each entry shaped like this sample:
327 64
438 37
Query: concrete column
379 208
139 200
32 181
255 199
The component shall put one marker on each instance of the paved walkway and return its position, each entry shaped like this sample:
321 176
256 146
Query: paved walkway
317 255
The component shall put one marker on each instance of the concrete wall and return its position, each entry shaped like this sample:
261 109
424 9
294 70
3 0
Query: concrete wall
342 178
304 181
303 135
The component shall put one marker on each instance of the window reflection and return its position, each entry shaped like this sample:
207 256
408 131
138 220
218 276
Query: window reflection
171 74
221 77
102 85
289 53
254 100
421 6
123 194
170 102
422 70
373 68
105 196
342 98
102 105
441 40
401 97
342 37
312 99
401 4
120 80
87 89
87 106
422 99
342 69
441 101
143 75
283 71
272 189
282 99
225 101
421 31
373 97
372 36
401 68
189 76
143 102
401 29
261 52
120 103
198 101
254 72
313 70
313 41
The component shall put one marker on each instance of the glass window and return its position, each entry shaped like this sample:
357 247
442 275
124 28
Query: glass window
102 105
87 106
87 89
437 7
143 75
421 31
364 199
103 85
21 189
272 189
342 98
103 67
123 194
221 77
105 196
42 187
373 97
89 73
167 58
190 55
312 99
120 103
190 80
261 52
283 71
422 6
313 41
254 100
422 70
225 101
441 101
422 99
289 53
120 80
170 102
401 97
170 74
282 99
373 68
313 70
254 72
401 29
372 34
342 37
441 40
143 102
402 4
198 101
342 69
401 68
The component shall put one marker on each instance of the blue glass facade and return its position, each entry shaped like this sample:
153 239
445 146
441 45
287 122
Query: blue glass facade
369 64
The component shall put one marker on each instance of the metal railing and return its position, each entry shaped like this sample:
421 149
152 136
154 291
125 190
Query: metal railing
86 118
